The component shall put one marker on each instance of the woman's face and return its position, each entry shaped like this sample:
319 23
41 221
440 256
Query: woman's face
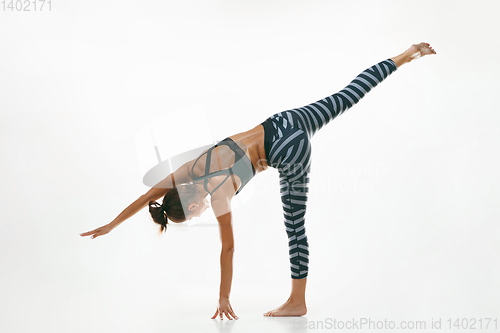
197 209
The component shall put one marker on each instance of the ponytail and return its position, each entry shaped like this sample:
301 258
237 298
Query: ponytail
172 208
158 214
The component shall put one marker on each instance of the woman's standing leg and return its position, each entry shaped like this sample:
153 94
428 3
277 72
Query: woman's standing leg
291 155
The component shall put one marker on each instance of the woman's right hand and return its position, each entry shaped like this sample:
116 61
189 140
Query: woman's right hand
224 307
99 231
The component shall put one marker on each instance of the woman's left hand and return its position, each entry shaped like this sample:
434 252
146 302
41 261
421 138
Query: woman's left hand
224 307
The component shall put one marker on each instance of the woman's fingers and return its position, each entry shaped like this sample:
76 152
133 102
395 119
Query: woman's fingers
231 312
88 233
228 313
233 315
94 234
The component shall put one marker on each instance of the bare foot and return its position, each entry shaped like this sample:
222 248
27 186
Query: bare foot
419 50
288 309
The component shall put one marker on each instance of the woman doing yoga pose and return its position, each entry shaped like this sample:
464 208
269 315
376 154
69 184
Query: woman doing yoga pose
282 141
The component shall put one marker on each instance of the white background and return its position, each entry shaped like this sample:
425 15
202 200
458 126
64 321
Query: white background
403 211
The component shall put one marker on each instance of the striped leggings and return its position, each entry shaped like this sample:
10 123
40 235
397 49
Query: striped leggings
288 149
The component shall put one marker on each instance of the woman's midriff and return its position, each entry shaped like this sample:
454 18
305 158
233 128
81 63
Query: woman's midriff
254 141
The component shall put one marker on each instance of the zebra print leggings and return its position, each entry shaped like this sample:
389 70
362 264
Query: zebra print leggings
288 149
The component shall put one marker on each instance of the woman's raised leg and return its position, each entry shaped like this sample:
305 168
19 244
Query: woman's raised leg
311 118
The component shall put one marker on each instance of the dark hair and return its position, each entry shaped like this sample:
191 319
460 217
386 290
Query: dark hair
173 207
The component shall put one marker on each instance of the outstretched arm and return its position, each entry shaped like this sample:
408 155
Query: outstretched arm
131 210
180 176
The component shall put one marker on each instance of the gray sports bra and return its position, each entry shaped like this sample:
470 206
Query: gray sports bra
242 166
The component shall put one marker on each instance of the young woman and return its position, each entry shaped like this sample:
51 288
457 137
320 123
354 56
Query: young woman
282 141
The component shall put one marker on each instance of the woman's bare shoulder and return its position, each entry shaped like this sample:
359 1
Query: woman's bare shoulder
221 199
